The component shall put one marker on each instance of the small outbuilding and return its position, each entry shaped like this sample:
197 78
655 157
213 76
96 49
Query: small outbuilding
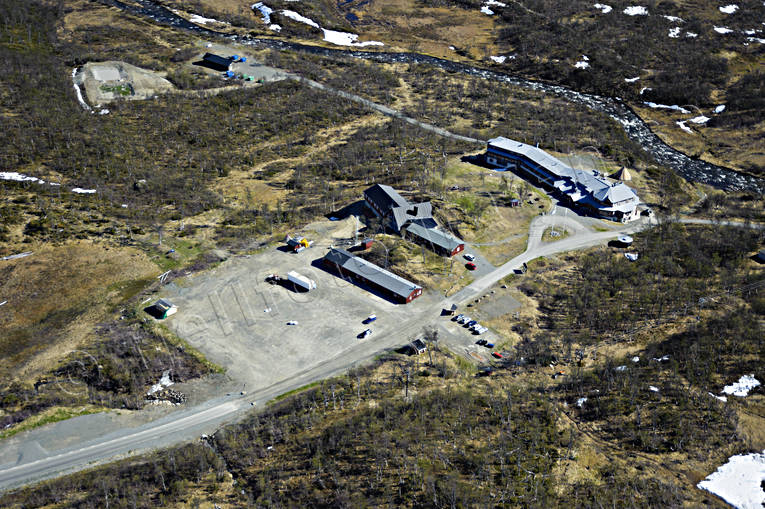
216 62
419 347
164 308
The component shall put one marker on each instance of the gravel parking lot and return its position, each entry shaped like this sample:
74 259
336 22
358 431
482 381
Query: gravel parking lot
240 322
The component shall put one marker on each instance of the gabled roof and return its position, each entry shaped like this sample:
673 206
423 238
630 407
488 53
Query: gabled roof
411 212
385 197
217 60
615 194
435 237
371 272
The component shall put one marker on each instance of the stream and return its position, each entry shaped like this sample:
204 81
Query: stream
691 169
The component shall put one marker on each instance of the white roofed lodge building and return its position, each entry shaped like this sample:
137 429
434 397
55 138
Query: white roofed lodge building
591 191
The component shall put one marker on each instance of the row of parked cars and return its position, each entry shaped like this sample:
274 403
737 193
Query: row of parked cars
471 324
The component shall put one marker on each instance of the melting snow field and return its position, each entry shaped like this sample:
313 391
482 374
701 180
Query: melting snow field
701 119
331 36
739 481
741 388
636 10
199 20
681 124
666 107
605 9
163 382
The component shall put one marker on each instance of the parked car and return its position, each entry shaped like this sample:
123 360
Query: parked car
469 257
370 319
480 329
292 322
489 345
470 266
497 355
457 318
464 319
471 323
480 342
365 333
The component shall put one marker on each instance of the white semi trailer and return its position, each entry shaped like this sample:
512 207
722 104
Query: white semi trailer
301 281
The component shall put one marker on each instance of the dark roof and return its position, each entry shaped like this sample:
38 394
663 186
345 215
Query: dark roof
385 197
435 237
163 305
419 345
217 60
413 212
371 272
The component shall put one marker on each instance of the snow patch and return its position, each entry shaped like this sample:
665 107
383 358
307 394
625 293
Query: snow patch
331 36
663 358
719 108
729 9
666 107
674 19
485 9
756 39
163 382
499 60
80 190
653 389
635 359
721 398
621 368
200 20
631 80
346 39
681 125
103 112
265 12
583 63
723 30
741 388
274 27
645 89
691 35
739 481
636 10
78 92
674 33
299 18
605 9
580 402
495 3
701 119
17 177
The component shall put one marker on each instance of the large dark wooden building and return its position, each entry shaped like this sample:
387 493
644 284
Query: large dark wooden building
216 62
392 286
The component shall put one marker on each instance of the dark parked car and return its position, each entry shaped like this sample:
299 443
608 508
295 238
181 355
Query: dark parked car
470 266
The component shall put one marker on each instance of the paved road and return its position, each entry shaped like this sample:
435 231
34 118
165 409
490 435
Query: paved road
189 423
